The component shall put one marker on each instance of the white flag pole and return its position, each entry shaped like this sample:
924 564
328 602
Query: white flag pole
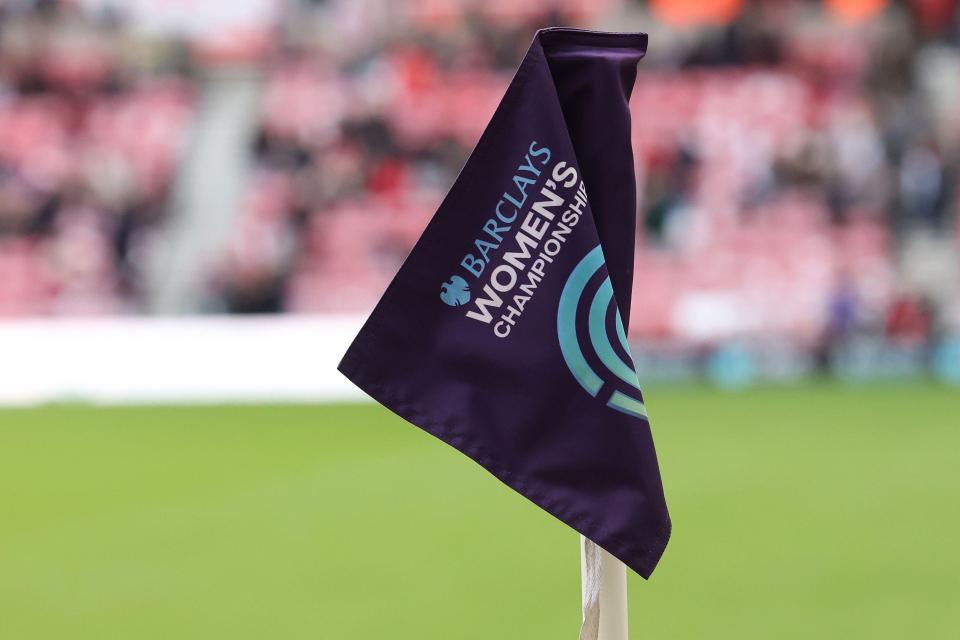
604 589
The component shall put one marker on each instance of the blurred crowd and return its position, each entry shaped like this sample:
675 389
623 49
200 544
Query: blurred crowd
788 154
89 136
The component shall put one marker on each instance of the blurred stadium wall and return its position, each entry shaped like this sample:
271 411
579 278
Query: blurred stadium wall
167 166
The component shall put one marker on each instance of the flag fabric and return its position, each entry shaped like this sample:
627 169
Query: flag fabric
504 332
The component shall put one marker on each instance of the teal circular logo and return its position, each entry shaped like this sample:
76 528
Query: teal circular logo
455 291
586 343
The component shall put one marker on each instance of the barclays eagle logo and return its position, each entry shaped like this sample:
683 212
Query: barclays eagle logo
455 291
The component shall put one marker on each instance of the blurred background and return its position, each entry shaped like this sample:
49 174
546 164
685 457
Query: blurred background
200 201
797 164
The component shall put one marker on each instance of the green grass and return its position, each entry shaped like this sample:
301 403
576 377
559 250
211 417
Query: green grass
813 512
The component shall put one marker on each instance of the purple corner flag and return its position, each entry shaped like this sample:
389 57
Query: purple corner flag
503 334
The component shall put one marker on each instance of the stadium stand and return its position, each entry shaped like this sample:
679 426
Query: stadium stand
88 148
786 152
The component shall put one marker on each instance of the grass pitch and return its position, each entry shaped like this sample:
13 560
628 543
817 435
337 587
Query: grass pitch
819 511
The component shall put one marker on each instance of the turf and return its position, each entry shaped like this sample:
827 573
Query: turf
819 511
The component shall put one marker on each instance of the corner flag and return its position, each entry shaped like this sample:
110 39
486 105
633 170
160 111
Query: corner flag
504 332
